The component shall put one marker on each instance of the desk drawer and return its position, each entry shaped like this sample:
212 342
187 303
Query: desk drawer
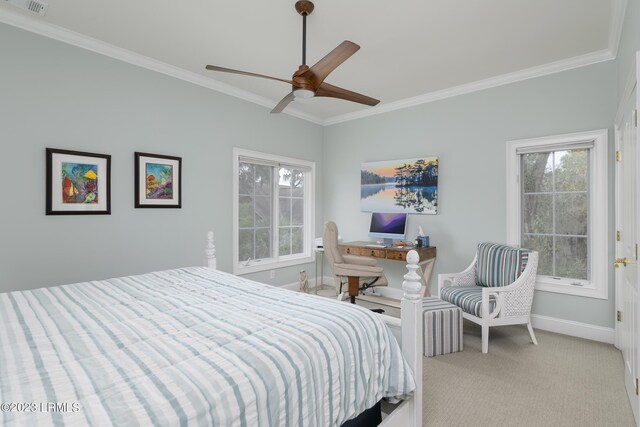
375 253
349 250
397 255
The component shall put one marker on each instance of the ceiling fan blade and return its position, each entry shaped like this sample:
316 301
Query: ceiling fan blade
244 73
283 103
326 65
331 91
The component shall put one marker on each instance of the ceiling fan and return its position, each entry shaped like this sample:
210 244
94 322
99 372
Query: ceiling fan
308 82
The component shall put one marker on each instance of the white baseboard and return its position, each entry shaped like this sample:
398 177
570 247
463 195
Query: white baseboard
575 329
290 286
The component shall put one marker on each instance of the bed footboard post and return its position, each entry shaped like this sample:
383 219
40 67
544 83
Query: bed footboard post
210 252
411 318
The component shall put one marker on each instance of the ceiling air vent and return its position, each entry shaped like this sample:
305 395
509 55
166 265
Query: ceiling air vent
34 6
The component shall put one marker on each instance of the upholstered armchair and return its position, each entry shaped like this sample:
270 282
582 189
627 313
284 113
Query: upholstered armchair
496 289
359 272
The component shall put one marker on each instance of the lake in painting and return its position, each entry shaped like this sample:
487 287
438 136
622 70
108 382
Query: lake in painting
409 186
159 181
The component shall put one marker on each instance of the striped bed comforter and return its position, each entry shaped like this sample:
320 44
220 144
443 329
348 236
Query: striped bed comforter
191 346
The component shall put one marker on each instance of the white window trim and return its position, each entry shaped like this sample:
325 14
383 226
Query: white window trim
598 286
284 261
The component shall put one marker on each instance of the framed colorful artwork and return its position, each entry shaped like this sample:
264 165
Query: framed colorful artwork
158 181
78 183
409 185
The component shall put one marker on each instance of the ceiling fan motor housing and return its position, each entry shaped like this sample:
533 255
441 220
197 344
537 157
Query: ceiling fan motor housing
303 83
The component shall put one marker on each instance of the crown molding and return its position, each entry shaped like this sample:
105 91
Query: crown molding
64 35
37 26
504 79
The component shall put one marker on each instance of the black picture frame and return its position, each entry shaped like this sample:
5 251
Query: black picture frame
142 181
64 196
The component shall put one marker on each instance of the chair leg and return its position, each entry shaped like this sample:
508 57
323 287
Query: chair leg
485 339
533 336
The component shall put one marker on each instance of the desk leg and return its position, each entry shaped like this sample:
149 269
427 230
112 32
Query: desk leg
425 276
321 269
354 288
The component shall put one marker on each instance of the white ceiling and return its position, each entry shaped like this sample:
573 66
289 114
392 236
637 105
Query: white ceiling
409 48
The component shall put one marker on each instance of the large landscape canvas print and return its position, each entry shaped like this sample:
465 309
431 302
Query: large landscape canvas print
409 186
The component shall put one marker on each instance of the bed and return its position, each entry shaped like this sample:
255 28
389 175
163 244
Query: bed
196 346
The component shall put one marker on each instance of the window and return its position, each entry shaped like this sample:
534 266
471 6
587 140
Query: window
273 211
557 205
555 214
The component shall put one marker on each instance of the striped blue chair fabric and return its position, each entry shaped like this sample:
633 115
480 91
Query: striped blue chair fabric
468 298
442 327
499 265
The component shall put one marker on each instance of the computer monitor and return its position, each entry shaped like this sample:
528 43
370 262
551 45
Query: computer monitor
388 226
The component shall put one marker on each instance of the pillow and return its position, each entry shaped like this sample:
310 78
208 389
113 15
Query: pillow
499 265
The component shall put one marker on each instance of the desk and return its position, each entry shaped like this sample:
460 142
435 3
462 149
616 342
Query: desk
427 257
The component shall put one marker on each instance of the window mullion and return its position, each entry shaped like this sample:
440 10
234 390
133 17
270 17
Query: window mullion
291 215
522 199
253 205
553 212
275 197
589 213
306 224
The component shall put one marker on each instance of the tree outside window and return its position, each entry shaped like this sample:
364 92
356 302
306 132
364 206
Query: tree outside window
557 204
555 213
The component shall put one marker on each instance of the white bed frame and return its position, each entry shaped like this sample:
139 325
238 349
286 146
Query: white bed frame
407 329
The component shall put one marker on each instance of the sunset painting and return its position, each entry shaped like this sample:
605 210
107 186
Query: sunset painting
409 186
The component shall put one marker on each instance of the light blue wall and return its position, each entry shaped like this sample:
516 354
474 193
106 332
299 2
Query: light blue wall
629 43
468 134
56 95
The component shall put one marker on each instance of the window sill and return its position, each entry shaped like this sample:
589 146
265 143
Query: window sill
588 290
263 265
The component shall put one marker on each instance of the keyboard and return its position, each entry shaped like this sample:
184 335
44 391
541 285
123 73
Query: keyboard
374 245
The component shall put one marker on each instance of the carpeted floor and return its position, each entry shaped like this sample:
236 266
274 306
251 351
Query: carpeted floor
564 381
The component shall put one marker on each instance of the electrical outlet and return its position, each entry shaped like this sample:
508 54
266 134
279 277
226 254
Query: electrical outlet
272 274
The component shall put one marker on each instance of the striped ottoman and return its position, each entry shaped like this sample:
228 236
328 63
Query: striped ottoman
442 327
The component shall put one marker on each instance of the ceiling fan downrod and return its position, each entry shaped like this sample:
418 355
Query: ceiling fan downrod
304 8
304 39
